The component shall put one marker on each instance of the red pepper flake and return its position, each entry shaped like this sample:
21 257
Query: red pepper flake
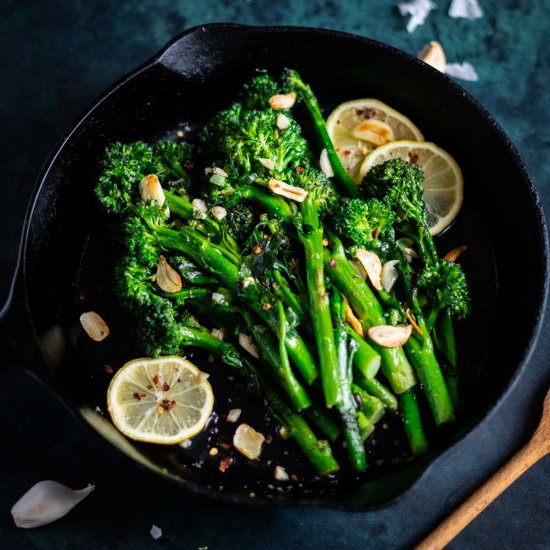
294 477
108 369
375 233
257 249
347 152
300 169
82 296
308 491
165 387
156 379
225 446
139 395
333 263
167 404
266 306
413 158
359 112
225 463
149 386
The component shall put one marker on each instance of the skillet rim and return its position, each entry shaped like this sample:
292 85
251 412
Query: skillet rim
157 59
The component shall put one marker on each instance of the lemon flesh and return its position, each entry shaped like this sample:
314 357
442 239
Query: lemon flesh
164 400
443 182
346 125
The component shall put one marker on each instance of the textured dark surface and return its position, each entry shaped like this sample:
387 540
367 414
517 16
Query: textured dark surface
57 57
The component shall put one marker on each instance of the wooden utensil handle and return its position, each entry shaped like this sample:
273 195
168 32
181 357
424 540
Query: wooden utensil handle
492 488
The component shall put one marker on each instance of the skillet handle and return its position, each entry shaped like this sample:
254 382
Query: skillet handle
186 56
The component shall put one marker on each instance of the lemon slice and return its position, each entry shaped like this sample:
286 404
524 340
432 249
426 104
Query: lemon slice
164 400
443 183
359 126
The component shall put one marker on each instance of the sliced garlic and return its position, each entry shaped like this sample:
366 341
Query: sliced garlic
453 255
374 131
280 474
233 415
218 333
217 297
358 266
352 320
167 279
412 321
289 191
151 189
248 344
405 245
96 328
200 205
390 336
324 162
248 441
373 266
283 122
219 212
389 274
433 54
45 502
220 172
267 163
282 102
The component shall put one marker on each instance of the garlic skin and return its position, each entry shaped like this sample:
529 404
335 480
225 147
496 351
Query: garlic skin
45 502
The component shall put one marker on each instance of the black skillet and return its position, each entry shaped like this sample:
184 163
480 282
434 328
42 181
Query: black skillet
66 259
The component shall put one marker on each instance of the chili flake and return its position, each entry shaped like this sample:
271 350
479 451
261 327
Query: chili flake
109 369
266 306
257 249
333 263
225 463
156 379
300 169
166 387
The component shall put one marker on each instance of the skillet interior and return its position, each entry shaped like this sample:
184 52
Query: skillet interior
67 253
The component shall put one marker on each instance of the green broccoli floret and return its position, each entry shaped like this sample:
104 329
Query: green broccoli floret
446 285
170 163
240 220
315 182
366 224
256 92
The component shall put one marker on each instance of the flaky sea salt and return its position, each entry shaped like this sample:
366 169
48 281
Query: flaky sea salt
156 532
463 71
418 10
469 9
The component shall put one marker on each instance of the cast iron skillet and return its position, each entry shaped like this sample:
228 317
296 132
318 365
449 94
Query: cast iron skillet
66 259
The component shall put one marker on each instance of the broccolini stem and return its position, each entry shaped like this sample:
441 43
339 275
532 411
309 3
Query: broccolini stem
412 422
287 295
346 404
275 206
444 339
376 389
366 359
324 422
372 407
395 366
346 185
317 451
311 235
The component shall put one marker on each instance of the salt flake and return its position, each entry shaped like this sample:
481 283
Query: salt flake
156 532
464 71
418 10
469 9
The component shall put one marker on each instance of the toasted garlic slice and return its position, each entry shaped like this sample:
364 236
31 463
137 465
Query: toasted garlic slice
373 266
248 441
218 212
168 279
248 344
282 102
374 131
280 474
45 502
453 255
389 274
289 191
433 54
283 122
96 328
390 336
220 172
267 163
151 189
233 415
324 162
352 320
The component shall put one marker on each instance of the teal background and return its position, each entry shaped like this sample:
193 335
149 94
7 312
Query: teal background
56 58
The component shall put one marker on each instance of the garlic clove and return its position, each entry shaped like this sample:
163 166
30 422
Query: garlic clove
283 122
220 172
248 441
248 344
373 131
325 165
352 320
390 336
167 279
267 163
233 415
151 189
433 54
280 474
289 191
389 274
218 212
454 254
282 102
94 325
373 266
45 502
